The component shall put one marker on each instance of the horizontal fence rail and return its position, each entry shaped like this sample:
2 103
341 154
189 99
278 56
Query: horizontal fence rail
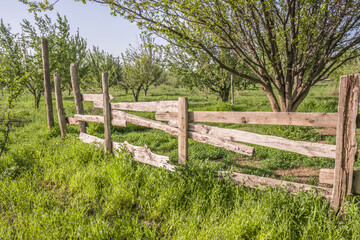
264 118
94 97
141 106
185 124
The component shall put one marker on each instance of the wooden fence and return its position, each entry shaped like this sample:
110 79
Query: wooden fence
185 124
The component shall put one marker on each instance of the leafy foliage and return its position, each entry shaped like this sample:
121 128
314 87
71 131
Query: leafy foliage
142 67
11 77
288 45
196 69
64 49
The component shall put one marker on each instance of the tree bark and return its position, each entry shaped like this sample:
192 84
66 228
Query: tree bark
136 93
37 97
232 88
272 98
224 94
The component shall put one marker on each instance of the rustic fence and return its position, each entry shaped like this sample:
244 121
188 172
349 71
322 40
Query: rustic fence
185 124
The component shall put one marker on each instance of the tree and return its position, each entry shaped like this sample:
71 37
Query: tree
98 61
64 49
151 63
142 67
11 77
289 45
197 70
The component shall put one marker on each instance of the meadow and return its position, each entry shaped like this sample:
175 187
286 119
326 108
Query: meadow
65 189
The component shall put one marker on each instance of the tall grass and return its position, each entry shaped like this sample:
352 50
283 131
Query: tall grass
65 189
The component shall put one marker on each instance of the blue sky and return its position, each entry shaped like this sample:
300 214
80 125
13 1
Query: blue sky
112 34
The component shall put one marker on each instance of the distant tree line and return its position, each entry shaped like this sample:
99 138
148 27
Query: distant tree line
21 56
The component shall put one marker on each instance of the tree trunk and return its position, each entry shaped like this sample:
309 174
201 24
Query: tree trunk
136 93
224 94
69 91
126 91
289 98
232 88
272 98
37 98
145 91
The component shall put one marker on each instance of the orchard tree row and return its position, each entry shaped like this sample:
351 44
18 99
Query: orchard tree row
135 70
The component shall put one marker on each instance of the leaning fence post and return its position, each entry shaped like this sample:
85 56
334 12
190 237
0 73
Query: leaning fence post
183 130
77 94
47 85
107 114
59 105
346 144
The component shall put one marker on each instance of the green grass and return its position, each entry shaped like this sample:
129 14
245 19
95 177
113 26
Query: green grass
65 189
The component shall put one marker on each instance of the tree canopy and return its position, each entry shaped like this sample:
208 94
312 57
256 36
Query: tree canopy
195 69
289 45
142 66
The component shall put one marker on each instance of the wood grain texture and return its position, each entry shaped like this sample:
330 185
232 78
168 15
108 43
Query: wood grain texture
203 138
309 149
107 113
346 144
77 94
140 154
47 84
266 118
170 106
96 119
263 183
59 106
183 122
220 142
326 176
94 97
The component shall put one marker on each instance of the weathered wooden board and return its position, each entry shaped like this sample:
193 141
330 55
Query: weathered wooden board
97 119
47 84
183 130
94 97
264 182
309 149
326 176
218 142
346 144
140 154
74 74
145 122
59 105
200 137
268 118
157 106
107 113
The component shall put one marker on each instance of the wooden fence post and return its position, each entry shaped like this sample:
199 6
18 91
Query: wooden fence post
346 144
59 105
77 94
47 84
232 88
183 119
107 114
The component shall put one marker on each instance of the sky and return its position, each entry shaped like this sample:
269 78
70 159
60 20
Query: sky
96 25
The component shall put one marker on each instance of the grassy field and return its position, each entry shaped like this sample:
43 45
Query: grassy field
65 189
